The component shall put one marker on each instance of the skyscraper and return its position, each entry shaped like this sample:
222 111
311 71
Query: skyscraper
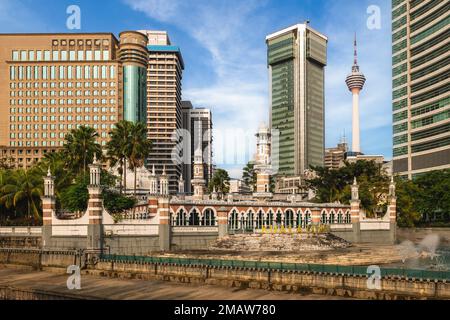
198 123
53 83
420 72
164 115
355 83
296 59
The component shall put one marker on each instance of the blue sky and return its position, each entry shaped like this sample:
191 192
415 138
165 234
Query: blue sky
223 45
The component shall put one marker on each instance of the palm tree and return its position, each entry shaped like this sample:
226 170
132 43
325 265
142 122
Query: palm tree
220 181
80 147
118 148
249 175
138 148
56 162
23 190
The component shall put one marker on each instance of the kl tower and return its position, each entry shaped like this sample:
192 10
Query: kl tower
355 83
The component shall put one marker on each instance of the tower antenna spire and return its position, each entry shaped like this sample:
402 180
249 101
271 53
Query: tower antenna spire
355 61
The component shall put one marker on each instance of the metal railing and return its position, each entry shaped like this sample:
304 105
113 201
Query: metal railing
281 266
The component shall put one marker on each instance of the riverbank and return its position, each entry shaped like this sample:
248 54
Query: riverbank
26 284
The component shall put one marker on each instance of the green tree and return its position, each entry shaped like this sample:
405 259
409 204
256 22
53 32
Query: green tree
407 193
117 203
75 197
333 185
22 190
79 149
249 175
56 162
434 193
138 148
117 148
220 181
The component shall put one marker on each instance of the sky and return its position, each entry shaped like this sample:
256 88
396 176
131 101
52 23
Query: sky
224 50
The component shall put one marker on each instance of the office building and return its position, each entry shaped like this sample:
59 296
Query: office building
297 57
53 83
421 88
334 157
198 124
164 115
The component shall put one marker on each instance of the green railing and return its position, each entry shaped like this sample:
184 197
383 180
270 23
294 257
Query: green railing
322 268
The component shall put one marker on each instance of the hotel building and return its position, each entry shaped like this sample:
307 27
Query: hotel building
296 60
164 114
52 83
420 80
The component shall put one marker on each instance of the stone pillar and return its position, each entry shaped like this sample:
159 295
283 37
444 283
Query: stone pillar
355 212
392 209
95 208
315 216
164 223
48 209
164 183
222 221
181 185
153 182
214 195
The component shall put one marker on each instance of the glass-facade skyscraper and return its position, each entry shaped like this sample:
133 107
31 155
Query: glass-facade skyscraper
134 55
420 80
296 59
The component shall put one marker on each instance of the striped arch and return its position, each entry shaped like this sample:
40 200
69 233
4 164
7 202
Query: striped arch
194 216
233 219
181 217
299 218
289 218
324 216
208 217
340 216
332 216
348 216
308 217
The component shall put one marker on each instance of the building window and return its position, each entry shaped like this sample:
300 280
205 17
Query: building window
12 73
15 55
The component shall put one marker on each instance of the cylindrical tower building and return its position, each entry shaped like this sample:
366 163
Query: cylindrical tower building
133 54
355 83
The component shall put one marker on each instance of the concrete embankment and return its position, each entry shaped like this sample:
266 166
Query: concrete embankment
334 284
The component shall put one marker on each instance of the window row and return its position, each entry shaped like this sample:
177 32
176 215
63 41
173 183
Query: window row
61 72
62 110
61 118
60 55
29 102
61 85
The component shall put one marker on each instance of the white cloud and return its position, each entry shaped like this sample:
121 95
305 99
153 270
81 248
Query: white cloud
231 31
16 17
374 53
238 96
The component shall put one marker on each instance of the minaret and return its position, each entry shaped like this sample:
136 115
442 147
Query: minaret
262 163
198 183
355 83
